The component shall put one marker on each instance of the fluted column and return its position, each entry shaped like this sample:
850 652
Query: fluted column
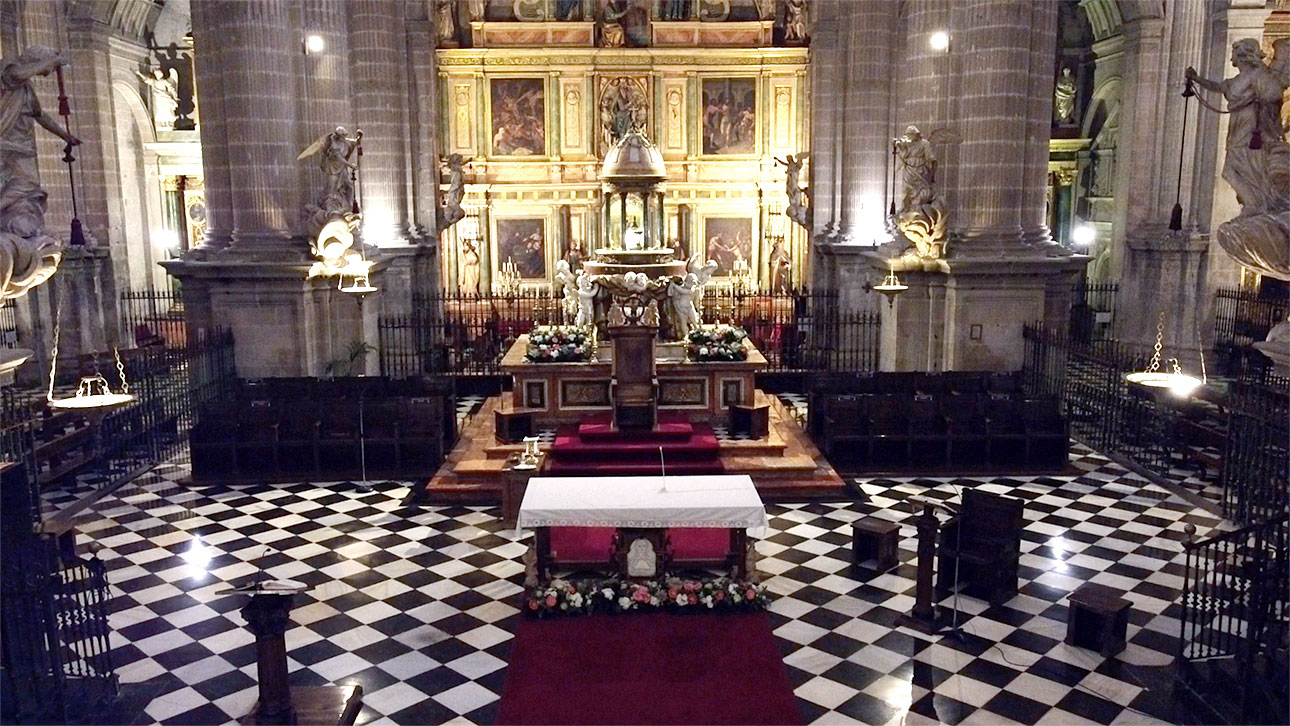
208 55
259 65
377 75
827 98
997 70
324 83
926 87
867 139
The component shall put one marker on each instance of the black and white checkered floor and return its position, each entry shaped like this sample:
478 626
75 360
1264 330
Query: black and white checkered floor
417 604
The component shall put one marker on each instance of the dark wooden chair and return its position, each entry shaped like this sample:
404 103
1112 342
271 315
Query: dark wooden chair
965 428
298 436
1005 430
846 426
983 544
635 388
1047 432
928 442
889 429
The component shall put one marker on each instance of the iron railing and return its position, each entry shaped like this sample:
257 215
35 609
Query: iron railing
154 317
1241 319
57 665
1236 612
1256 457
8 324
467 335
1093 310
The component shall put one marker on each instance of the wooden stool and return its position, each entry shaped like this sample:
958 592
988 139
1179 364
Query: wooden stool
512 426
753 420
874 538
1097 619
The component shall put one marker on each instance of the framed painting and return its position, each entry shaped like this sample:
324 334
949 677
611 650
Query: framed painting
729 239
518 113
522 240
729 116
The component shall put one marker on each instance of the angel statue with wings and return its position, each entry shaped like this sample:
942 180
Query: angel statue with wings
922 215
334 151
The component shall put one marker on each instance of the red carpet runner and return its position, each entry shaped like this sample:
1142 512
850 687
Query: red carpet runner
659 668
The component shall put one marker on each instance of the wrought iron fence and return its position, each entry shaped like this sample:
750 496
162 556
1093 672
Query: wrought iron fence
1256 458
56 655
9 324
1093 310
1241 319
467 335
154 317
1236 612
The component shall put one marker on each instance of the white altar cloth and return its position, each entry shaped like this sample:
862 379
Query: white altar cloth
642 501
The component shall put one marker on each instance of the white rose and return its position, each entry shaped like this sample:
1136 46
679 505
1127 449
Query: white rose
608 593
653 600
680 599
624 603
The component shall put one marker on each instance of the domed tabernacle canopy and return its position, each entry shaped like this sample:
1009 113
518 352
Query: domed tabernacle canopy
633 218
633 159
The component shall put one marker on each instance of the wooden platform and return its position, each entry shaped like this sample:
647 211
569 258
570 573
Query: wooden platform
785 466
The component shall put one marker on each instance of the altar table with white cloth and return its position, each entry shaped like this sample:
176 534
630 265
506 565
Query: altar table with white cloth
643 503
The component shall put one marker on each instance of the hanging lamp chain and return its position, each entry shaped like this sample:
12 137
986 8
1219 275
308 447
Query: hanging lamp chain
58 330
1160 335
125 385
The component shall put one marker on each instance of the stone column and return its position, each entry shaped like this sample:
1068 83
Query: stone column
1160 268
378 78
259 63
867 155
324 83
208 57
828 49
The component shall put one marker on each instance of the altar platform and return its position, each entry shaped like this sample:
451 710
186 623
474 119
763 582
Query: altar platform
784 465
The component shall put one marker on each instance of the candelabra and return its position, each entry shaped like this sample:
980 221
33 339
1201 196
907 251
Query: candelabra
741 276
508 280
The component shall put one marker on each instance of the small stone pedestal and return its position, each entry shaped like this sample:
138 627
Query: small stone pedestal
267 617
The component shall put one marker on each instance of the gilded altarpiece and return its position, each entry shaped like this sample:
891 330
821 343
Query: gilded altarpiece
533 124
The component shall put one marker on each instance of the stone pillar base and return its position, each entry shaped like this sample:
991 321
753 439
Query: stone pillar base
284 323
1165 272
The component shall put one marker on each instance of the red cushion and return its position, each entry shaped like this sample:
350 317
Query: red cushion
700 543
582 544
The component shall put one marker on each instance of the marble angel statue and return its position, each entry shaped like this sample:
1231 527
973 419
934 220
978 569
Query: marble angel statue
452 211
334 151
922 217
28 254
799 208
568 282
587 291
682 314
701 270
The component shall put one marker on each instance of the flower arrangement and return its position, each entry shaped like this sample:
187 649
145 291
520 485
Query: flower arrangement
718 342
557 344
565 597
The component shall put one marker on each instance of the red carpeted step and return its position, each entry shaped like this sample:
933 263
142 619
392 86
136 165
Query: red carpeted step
570 443
605 431
664 668
556 467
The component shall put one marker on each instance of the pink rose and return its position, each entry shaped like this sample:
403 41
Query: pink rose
672 593
719 595
550 600
641 595
751 594
691 586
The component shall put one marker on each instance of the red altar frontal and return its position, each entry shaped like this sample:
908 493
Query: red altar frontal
556 393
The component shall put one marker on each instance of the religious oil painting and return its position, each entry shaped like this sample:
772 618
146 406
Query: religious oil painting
519 116
728 239
522 240
729 115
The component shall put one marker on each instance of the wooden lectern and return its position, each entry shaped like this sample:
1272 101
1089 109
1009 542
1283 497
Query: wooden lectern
635 388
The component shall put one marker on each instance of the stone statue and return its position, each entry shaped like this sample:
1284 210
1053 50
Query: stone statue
781 267
445 23
795 22
1257 165
799 209
337 199
922 215
529 559
334 249
622 109
452 211
28 255
469 267
701 270
675 10
1064 97
164 83
569 286
682 314
1257 162
475 9
625 22
587 291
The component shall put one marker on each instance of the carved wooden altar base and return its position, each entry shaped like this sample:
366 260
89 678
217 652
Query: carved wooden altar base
785 466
